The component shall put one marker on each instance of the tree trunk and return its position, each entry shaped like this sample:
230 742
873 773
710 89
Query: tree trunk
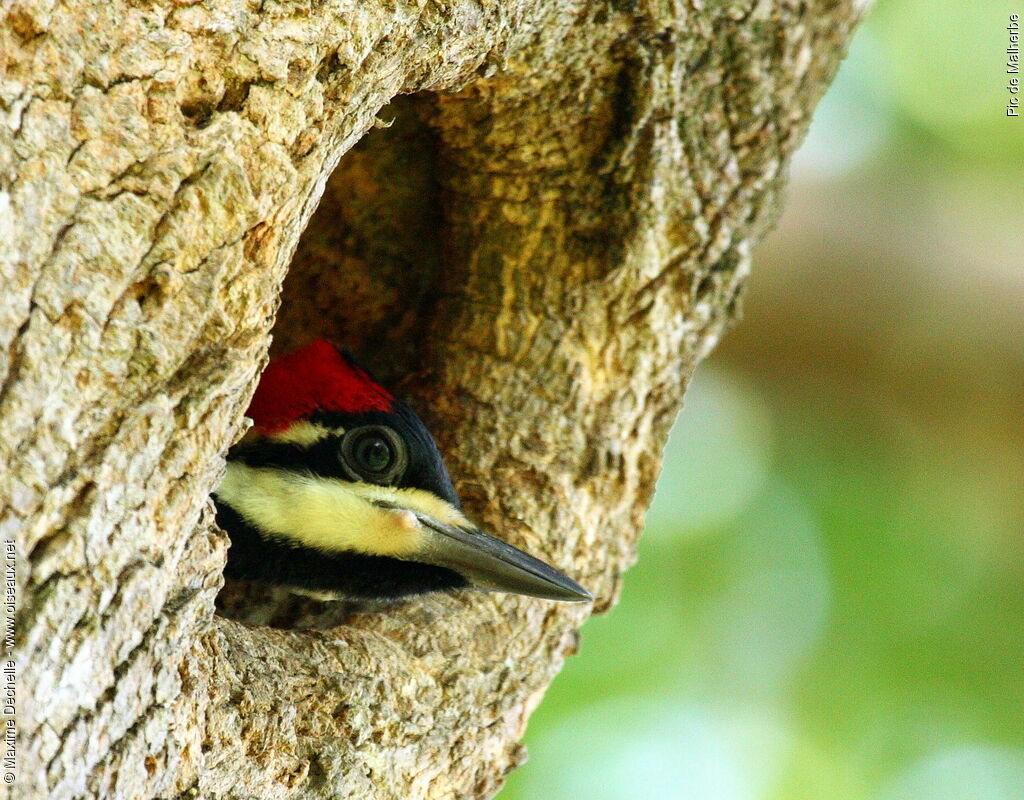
541 248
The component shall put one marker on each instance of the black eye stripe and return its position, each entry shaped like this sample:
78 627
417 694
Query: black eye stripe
425 469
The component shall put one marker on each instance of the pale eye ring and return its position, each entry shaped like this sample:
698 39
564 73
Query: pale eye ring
374 453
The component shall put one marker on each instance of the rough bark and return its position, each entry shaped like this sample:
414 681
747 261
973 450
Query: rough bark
543 246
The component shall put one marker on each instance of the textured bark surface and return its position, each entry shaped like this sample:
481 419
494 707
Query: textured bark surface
541 248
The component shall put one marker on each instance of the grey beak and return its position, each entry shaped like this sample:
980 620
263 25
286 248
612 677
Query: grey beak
492 564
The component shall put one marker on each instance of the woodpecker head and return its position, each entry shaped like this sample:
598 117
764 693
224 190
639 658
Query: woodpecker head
339 490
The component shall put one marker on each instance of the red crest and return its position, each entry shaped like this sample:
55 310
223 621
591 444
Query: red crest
316 377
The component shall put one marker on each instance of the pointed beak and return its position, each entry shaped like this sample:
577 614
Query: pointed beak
490 563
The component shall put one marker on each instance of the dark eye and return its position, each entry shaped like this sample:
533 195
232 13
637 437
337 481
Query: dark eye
375 453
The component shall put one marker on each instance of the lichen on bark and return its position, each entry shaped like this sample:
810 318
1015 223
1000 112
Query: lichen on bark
539 251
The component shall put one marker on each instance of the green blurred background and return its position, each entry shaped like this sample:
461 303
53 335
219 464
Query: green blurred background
829 598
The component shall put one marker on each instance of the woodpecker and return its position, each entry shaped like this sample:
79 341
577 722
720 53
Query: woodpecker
339 490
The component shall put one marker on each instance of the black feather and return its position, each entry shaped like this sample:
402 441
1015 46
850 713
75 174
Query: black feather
426 468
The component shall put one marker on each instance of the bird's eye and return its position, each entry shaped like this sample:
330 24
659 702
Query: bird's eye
374 453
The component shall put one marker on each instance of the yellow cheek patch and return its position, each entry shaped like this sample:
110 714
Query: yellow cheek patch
326 514
425 503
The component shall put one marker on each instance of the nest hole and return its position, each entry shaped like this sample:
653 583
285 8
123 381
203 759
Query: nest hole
365 275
